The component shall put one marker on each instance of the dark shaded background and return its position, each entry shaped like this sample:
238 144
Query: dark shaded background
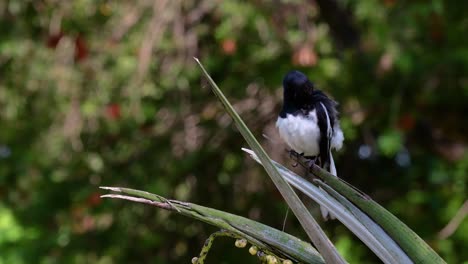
106 93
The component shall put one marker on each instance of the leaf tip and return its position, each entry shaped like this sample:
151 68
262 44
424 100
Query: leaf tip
114 189
248 151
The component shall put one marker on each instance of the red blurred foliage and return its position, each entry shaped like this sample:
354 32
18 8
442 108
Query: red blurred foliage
94 199
229 46
81 49
53 40
304 56
113 111
389 3
436 27
406 122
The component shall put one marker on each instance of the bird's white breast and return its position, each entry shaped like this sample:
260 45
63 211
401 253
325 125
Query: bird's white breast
300 132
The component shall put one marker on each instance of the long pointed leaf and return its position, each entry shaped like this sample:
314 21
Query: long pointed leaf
365 229
312 228
418 250
263 236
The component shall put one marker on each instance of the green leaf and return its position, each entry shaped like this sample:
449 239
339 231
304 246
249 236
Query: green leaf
313 230
354 219
418 250
390 143
258 234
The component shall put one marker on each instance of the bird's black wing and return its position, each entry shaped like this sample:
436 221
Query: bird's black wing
326 131
318 97
326 115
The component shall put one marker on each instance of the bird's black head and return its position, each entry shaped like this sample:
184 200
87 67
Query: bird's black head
297 89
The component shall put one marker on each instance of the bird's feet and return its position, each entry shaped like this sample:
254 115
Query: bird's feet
295 156
311 160
300 158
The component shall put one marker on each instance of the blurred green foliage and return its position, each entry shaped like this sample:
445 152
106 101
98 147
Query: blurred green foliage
107 93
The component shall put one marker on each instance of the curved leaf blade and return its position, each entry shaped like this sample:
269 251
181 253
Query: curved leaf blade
263 236
355 220
416 248
312 228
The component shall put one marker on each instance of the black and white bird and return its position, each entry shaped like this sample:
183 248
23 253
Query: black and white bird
308 122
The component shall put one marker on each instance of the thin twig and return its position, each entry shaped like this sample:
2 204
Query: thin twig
209 242
285 218
455 222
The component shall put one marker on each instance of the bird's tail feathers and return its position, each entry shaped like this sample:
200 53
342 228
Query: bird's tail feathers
332 169
332 166
325 213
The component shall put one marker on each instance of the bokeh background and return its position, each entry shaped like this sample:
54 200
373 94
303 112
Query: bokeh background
96 92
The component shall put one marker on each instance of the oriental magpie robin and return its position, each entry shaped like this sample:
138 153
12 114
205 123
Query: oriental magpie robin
308 122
